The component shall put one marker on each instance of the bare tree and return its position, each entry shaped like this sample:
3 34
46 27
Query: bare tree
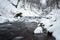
57 2
14 4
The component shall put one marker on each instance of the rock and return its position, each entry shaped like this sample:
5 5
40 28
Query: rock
38 30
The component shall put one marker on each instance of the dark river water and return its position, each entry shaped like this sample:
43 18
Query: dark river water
21 31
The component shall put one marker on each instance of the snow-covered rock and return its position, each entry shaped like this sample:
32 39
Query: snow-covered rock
46 22
38 30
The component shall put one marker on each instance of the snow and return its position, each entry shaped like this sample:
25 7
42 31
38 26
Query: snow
46 22
38 30
2 20
7 5
56 27
55 14
14 1
27 13
7 10
6 16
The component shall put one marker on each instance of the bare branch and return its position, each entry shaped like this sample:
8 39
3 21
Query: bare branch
14 4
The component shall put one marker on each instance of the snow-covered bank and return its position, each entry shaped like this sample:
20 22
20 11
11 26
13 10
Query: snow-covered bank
56 26
7 10
52 23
